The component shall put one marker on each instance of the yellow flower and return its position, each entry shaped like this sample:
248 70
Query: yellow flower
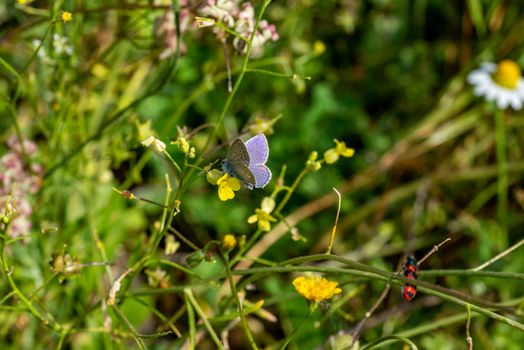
226 187
319 47
171 245
155 144
66 16
332 154
101 71
182 144
229 242
312 163
316 288
262 215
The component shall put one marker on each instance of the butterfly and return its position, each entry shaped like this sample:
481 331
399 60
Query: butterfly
247 161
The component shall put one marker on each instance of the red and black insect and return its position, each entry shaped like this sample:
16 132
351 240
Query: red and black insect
409 270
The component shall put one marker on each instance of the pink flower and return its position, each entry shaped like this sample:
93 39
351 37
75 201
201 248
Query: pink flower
167 31
17 184
241 19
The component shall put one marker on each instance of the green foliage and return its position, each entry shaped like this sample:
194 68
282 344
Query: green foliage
107 242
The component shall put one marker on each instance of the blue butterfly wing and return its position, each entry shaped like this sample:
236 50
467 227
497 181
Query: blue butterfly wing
261 174
242 172
237 163
258 149
238 152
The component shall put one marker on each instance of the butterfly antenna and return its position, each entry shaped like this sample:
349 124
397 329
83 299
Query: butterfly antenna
334 231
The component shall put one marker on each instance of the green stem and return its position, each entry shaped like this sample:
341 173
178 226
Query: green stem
502 170
46 320
311 309
234 293
201 313
175 164
291 190
129 326
276 212
192 323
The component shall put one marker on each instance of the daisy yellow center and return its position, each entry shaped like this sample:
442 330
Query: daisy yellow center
507 74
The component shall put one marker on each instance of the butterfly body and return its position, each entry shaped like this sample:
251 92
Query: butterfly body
409 270
246 161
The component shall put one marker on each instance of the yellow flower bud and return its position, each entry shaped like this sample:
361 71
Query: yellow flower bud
212 176
66 16
331 156
229 242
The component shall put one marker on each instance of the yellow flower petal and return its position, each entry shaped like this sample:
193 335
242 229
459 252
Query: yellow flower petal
331 156
222 179
316 288
343 150
225 193
234 183
252 219
264 225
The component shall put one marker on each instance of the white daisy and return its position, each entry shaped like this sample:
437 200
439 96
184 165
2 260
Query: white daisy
500 83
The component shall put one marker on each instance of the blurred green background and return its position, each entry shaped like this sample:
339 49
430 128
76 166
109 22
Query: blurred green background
387 77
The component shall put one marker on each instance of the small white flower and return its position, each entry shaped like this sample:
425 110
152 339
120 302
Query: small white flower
500 83
155 144
60 43
36 44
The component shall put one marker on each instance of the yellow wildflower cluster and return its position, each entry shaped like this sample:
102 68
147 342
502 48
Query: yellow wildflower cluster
263 215
313 163
184 146
316 288
340 149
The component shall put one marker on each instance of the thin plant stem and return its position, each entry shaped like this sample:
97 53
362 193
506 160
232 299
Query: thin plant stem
290 337
189 294
433 250
183 238
469 339
240 309
173 162
129 326
191 322
356 332
46 320
499 256
334 230
502 170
